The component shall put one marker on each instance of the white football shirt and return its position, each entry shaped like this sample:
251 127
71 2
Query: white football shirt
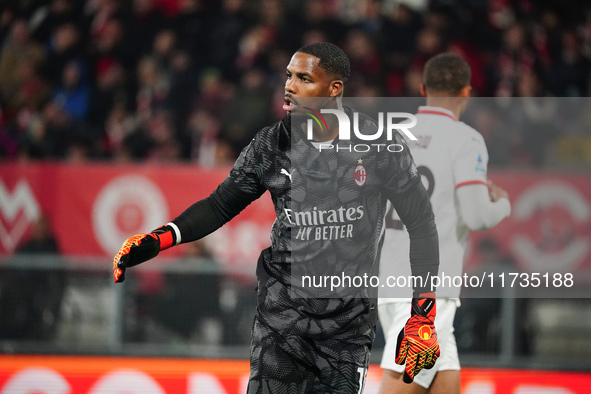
449 155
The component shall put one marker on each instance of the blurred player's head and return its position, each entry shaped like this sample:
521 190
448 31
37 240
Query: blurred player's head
446 82
316 70
446 75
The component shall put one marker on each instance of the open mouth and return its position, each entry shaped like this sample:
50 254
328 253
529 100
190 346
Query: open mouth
288 102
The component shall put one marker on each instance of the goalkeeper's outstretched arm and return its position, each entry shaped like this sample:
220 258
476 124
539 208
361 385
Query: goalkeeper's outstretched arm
197 221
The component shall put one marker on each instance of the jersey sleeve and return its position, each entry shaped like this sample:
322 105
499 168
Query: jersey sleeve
397 170
416 213
470 161
247 171
402 186
478 211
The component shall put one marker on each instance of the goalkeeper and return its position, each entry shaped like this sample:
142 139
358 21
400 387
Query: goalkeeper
316 344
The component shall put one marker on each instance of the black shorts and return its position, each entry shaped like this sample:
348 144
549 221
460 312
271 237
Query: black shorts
295 364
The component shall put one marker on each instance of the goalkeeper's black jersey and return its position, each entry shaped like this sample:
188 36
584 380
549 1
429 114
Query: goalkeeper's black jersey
330 207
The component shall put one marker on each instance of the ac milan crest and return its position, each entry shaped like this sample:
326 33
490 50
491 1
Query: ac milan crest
360 174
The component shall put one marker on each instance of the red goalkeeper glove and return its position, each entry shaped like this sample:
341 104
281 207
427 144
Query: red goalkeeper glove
140 248
417 342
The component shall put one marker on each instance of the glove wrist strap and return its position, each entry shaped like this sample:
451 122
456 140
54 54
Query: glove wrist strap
424 305
167 237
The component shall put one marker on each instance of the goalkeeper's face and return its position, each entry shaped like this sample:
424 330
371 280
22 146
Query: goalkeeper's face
305 78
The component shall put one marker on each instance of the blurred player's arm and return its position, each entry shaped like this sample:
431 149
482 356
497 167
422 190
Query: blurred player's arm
482 204
402 186
202 218
479 210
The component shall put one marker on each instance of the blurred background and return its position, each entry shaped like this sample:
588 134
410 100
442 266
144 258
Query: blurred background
115 115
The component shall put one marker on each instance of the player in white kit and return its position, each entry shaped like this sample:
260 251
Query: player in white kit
452 159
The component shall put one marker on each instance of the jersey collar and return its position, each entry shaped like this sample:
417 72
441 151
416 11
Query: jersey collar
426 109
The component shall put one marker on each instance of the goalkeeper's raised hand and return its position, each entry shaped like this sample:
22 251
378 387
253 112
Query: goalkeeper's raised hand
141 247
417 342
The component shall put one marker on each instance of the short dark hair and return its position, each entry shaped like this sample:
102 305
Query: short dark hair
332 58
446 73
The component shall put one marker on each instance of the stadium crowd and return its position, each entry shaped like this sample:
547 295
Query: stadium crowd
193 80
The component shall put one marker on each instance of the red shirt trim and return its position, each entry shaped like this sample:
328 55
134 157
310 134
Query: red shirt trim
471 183
431 112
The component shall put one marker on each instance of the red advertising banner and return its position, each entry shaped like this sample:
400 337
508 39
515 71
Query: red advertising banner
549 229
94 208
93 375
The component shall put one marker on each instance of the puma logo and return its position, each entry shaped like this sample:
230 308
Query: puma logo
284 172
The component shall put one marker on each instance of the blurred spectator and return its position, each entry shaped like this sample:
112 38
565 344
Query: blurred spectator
585 33
231 23
500 14
400 35
278 59
42 239
243 117
203 129
7 18
47 19
317 15
153 88
163 47
72 95
79 151
412 82
99 13
18 52
141 27
189 56
514 59
369 18
282 27
106 44
192 26
254 46
30 298
160 131
475 58
183 94
546 37
63 47
537 117
58 131
569 73
501 141
109 90
32 90
214 92
313 35
429 42
366 65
